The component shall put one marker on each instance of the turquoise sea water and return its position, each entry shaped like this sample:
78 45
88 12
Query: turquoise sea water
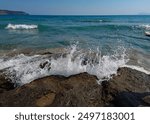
60 31
105 33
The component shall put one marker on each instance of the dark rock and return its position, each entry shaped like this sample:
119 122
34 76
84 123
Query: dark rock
78 90
5 83
146 99
128 88
45 53
131 99
45 64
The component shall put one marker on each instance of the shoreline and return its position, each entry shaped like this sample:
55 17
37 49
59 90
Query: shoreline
129 88
71 53
25 66
71 78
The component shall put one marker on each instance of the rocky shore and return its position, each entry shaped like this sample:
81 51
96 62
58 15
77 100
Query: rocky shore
129 88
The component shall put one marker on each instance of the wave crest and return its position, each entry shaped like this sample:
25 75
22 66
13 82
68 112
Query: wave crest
146 26
21 26
23 69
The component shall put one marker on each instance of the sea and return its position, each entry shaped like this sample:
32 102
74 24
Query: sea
35 46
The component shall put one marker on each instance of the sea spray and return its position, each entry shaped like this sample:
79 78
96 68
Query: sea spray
142 26
23 69
90 62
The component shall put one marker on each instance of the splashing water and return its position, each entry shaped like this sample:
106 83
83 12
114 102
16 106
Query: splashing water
91 62
145 26
23 69
21 26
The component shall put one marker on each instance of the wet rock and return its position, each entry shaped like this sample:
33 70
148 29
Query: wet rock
45 100
77 90
45 64
31 94
128 88
131 99
146 99
45 53
5 83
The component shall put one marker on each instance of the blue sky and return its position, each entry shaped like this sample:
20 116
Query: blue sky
78 7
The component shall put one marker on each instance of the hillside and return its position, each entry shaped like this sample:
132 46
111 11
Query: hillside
9 12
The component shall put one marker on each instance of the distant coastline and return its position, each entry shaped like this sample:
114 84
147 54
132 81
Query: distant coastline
10 12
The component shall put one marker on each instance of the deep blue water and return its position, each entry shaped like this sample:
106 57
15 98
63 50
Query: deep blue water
105 32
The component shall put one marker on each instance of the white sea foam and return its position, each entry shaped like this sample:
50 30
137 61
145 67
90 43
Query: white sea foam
146 26
24 69
21 26
100 20
138 68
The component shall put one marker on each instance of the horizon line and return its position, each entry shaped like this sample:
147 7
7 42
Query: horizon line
82 14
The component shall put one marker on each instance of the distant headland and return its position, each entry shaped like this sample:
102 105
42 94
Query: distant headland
10 12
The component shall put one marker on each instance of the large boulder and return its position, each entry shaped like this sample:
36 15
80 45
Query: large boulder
128 88
78 90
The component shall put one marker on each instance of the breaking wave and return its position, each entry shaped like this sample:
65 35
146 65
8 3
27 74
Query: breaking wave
145 26
23 69
21 26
